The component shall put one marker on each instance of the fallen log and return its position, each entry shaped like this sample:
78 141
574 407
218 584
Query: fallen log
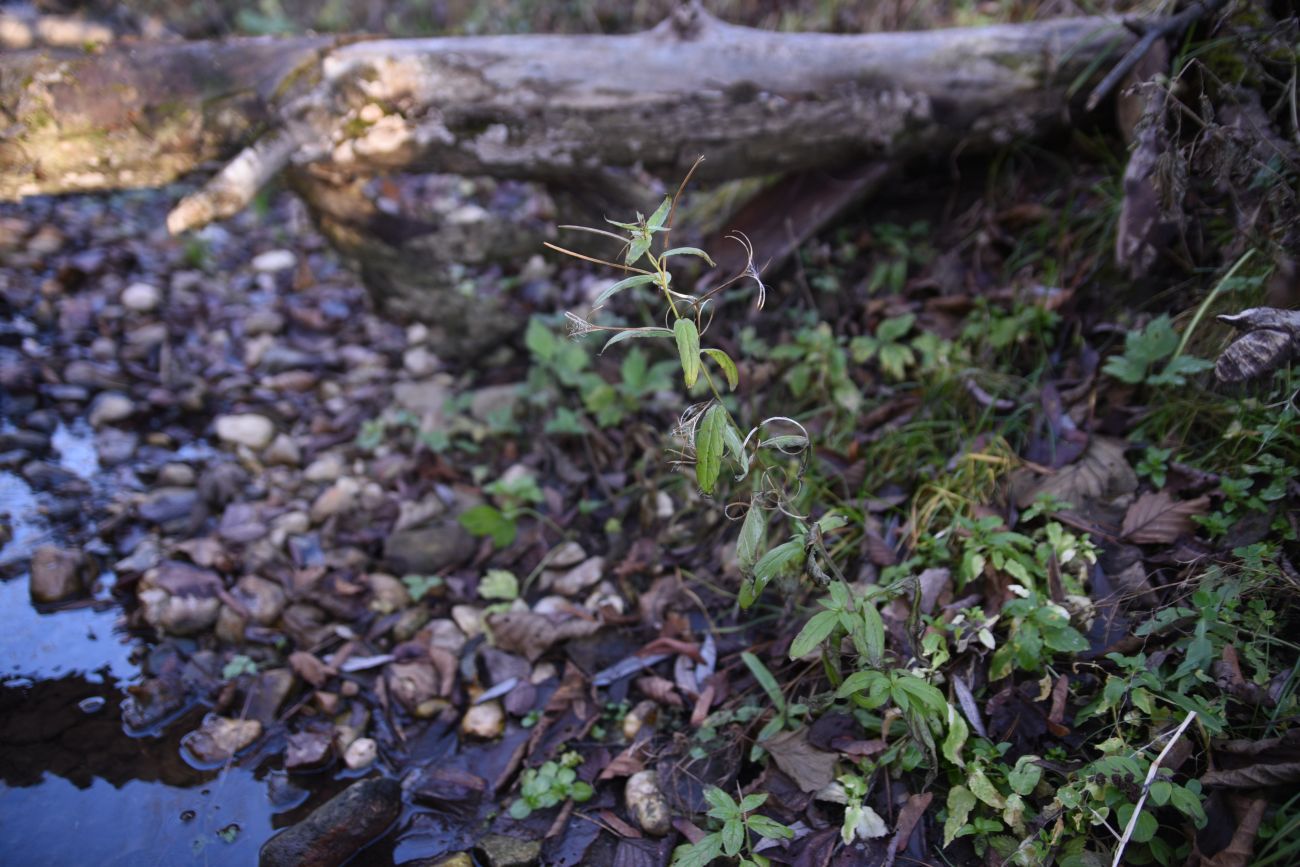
568 111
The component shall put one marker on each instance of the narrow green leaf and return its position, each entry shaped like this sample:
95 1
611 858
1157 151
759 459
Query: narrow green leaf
752 532
753 801
661 213
857 681
727 365
874 632
635 333
736 447
627 283
688 347
814 632
765 680
686 251
708 445
786 442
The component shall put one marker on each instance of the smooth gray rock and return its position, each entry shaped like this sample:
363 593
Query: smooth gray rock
428 550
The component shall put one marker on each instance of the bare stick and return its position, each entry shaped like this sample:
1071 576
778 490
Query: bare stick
1171 26
1146 787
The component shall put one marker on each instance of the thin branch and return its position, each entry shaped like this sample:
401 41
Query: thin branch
1174 25
1146 787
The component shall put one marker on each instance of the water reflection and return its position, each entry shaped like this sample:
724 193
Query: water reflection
72 783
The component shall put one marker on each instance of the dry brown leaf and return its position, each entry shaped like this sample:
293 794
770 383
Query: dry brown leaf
310 669
531 634
660 689
811 769
1100 474
1241 848
911 813
1264 774
1157 518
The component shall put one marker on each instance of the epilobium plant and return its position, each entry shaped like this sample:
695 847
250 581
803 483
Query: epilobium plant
771 454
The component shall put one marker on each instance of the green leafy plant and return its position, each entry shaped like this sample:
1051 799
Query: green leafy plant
550 785
420 586
903 246
886 346
739 822
1155 465
1144 352
499 584
238 665
708 435
513 497
819 368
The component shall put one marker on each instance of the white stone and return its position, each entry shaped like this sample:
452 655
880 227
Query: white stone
283 450
325 468
110 407
361 753
274 260
246 429
141 297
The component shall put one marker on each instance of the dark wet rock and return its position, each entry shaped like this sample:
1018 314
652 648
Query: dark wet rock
90 375
263 321
428 550
57 575
308 749
13 459
25 440
221 483
65 392
242 523
267 693
338 829
47 476
503 851
163 505
153 701
115 446
220 738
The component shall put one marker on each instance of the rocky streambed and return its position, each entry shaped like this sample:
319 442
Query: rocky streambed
240 613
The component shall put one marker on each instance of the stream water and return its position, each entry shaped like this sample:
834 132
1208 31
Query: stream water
72 781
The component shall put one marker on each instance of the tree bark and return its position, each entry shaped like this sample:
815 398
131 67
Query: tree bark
568 111
542 107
